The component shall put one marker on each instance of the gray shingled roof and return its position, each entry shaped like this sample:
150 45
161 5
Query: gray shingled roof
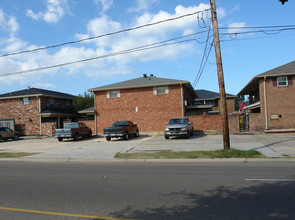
140 82
284 70
36 92
206 94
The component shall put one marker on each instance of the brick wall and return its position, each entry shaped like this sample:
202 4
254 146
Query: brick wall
27 121
207 122
280 101
153 111
213 123
230 104
48 128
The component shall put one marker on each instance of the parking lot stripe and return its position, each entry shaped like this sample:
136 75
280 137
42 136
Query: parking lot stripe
60 214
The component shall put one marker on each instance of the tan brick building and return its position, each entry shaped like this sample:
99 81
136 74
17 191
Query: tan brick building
148 101
36 111
272 99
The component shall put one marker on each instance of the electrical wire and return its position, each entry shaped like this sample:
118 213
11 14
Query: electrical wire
137 49
103 35
203 57
148 47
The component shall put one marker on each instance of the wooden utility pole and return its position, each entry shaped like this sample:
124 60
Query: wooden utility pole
223 108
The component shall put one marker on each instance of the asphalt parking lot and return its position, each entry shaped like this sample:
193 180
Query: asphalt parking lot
97 148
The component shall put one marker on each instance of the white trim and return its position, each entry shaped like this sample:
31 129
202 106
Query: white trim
282 81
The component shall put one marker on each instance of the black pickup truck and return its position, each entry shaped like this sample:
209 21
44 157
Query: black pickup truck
121 129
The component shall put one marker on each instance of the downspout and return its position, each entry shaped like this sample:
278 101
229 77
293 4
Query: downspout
95 121
182 104
40 116
265 103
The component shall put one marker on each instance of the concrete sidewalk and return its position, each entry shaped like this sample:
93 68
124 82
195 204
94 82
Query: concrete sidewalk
97 148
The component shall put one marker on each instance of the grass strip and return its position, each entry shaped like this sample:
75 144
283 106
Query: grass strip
230 153
15 155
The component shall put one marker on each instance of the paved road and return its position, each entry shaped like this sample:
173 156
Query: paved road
162 191
271 145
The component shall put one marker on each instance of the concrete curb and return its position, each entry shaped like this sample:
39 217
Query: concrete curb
198 160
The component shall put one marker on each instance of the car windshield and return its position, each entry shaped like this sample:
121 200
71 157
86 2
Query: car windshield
73 125
178 121
120 123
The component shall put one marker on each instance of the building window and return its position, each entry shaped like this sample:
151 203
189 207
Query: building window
51 101
68 103
113 94
282 81
161 90
25 101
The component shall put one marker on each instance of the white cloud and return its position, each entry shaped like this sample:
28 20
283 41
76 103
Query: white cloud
141 5
8 23
112 66
44 85
56 9
237 27
105 4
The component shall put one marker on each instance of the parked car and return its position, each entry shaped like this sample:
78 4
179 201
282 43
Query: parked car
179 127
73 130
7 133
121 129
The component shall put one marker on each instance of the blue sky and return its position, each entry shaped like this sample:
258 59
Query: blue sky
31 24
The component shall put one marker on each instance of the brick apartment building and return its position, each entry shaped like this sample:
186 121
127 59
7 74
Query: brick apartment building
207 103
148 101
36 111
272 99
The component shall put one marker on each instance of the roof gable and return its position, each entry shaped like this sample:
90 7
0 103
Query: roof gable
36 92
145 81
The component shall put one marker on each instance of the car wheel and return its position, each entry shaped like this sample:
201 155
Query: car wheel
90 134
187 135
108 138
0 138
59 139
76 137
15 137
137 133
126 136
166 137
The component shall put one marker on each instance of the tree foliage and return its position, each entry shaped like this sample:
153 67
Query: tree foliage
84 101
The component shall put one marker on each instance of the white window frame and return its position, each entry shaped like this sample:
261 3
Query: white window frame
111 94
159 90
26 101
282 81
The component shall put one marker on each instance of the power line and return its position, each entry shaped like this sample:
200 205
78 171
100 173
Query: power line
103 35
137 49
204 54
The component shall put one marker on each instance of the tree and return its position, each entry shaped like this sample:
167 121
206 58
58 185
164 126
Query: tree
82 102
283 1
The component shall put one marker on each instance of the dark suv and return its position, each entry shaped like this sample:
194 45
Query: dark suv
6 133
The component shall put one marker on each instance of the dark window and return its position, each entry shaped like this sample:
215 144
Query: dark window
282 81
